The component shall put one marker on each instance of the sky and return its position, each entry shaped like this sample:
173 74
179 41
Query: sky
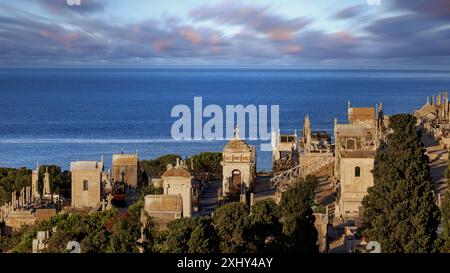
262 33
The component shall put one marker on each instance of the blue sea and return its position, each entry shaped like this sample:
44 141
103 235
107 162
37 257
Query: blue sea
58 115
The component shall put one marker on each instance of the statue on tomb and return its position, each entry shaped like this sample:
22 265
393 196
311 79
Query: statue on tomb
236 132
110 198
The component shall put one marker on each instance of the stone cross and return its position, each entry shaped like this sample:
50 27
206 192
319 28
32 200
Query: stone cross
103 204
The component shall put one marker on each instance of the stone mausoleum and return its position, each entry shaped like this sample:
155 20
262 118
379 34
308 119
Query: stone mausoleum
239 164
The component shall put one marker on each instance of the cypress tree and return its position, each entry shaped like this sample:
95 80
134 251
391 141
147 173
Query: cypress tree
399 210
445 221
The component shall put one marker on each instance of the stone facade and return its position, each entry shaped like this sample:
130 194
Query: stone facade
239 164
125 165
284 151
355 179
18 218
178 181
164 208
86 183
355 147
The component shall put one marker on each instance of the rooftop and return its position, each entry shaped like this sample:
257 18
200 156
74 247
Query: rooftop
177 171
361 114
86 166
350 130
125 159
236 145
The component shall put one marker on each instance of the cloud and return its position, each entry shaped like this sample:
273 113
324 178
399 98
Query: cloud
349 12
61 7
408 36
35 40
261 37
253 18
190 35
433 8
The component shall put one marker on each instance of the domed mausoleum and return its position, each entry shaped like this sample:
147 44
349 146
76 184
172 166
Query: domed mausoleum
239 164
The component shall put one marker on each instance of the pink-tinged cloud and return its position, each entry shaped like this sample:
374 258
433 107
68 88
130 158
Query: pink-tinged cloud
215 39
216 50
344 37
161 45
259 19
293 49
264 37
282 34
190 35
67 39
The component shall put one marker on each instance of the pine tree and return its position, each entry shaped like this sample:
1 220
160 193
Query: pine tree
232 225
399 210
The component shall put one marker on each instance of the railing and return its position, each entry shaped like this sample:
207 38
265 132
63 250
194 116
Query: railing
286 178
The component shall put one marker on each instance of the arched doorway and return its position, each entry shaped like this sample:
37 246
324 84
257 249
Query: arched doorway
235 178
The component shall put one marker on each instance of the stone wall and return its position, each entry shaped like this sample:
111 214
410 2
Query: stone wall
353 189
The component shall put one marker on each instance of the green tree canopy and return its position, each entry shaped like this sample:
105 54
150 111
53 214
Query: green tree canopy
232 225
445 222
59 180
189 235
399 210
265 226
300 234
13 180
208 162
155 168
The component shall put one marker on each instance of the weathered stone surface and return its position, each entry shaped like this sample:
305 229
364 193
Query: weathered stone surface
19 218
163 208
86 183
239 164
178 181
128 165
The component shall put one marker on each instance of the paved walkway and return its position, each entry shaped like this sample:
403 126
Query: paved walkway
208 198
438 163
262 188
